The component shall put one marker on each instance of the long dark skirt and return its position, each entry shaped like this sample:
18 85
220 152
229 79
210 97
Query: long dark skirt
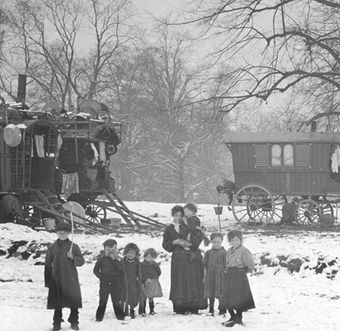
236 290
186 290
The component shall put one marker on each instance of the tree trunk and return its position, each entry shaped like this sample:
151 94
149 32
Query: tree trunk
181 184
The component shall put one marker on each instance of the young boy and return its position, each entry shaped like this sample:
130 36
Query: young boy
110 270
61 277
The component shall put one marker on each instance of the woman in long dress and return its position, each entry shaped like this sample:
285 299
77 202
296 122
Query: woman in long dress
186 291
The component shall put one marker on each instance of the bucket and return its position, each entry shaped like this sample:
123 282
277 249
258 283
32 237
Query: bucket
218 210
49 224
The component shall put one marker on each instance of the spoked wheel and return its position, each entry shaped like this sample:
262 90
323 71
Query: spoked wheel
94 213
31 216
308 211
254 205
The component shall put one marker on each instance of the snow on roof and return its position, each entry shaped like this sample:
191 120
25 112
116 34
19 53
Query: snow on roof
281 137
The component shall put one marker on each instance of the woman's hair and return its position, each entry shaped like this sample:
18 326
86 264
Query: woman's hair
176 209
234 233
131 247
150 251
191 207
215 235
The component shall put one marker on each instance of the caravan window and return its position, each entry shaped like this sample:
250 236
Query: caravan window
276 156
288 155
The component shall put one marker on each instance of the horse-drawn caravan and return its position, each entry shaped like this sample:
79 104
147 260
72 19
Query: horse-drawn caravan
52 164
274 171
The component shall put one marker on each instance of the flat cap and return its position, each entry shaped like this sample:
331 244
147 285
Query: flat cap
63 226
110 242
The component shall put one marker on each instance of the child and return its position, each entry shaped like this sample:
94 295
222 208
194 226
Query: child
214 266
191 220
133 278
110 271
150 274
237 296
193 227
61 277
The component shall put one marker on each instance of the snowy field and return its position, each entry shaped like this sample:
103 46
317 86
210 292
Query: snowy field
296 285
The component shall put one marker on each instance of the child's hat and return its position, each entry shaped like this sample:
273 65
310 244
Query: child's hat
110 242
63 226
234 233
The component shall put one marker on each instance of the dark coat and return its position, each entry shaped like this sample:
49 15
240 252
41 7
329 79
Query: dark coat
150 271
61 276
106 268
133 281
186 269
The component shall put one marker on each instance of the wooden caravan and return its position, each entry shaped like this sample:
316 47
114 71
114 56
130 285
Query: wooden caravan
49 156
271 168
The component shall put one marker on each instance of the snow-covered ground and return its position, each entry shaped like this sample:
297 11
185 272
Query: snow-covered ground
305 299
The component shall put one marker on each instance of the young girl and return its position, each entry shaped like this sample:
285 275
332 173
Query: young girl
214 266
237 296
150 274
132 269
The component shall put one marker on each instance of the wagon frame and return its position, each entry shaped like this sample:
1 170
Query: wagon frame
272 169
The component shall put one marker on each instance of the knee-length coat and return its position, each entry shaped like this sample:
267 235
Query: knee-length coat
214 264
186 273
61 276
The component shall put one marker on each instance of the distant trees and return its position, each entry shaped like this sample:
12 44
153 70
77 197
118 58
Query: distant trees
172 148
172 145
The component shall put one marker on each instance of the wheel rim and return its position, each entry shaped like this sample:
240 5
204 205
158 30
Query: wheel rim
255 205
308 212
95 213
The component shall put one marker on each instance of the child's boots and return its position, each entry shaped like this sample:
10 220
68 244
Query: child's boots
152 307
141 309
56 327
74 326
132 313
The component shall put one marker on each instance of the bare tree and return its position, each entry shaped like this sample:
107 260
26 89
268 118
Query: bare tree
109 21
49 34
274 46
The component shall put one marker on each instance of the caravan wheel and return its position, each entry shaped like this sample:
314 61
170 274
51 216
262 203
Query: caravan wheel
255 205
94 213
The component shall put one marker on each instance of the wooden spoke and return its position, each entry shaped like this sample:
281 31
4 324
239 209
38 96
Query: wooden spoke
258 204
308 212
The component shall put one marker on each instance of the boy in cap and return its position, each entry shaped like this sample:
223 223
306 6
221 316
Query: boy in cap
61 277
110 271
